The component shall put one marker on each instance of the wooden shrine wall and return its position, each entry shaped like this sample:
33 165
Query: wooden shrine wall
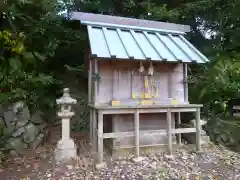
125 123
118 80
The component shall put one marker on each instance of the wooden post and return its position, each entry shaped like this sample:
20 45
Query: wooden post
170 82
94 130
179 126
91 126
169 131
185 75
95 82
198 130
90 81
115 119
100 137
136 124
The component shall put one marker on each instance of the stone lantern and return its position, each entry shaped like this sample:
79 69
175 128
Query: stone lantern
66 148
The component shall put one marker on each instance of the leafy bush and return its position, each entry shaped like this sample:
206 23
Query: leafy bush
19 78
214 86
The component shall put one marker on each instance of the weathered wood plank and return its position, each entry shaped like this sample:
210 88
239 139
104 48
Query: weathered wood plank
115 83
125 111
148 132
118 135
178 126
115 119
94 130
95 83
185 75
140 146
150 110
146 111
183 130
169 130
236 107
136 124
90 82
100 137
106 106
91 125
105 86
198 130
236 114
170 82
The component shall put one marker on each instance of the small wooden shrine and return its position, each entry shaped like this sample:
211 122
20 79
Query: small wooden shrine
138 82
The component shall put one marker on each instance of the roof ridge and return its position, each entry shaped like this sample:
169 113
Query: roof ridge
136 28
128 21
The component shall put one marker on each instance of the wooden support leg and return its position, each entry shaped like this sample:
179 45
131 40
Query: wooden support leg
94 131
178 125
169 131
136 124
114 128
100 137
198 130
91 126
137 157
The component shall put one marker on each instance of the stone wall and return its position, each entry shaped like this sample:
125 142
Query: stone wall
23 129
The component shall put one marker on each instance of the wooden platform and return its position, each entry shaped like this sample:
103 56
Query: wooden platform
98 111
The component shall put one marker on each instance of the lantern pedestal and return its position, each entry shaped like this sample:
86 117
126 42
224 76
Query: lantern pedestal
66 149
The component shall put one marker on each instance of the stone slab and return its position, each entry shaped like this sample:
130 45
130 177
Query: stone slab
66 150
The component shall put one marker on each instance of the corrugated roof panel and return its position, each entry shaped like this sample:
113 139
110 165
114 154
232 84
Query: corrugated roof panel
162 49
173 48
97 42
185 47
195 50
110 42
132 46
115 44
147 46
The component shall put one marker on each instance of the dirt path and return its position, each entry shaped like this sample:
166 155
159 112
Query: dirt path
214 163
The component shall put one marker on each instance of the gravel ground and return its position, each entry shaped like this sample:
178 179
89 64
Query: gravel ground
213 164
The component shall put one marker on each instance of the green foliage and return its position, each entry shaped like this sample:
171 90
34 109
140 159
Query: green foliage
215 85
18 81
81 122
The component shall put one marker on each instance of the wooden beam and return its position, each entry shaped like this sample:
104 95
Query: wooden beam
136 124
179 138
236 114
117 135
185 76
91 125
115 119
170 84
183 130
94 131
169 131
236 107
90 82
148 133
142 146
144 110
95 82
100 137
198 130
155 106
114 111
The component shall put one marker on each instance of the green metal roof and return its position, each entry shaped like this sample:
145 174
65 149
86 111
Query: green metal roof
140 43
